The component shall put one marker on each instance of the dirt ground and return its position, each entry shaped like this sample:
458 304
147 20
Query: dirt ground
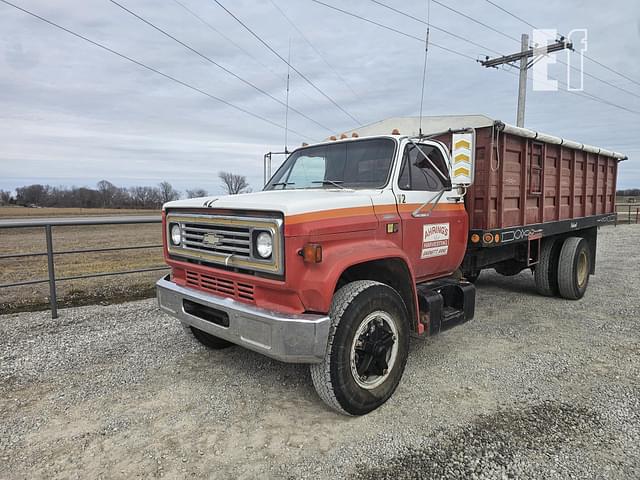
533 387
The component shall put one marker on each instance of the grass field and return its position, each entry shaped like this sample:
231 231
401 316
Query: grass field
83 291
19 212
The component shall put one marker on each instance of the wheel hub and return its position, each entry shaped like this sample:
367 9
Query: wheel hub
582 269
374 349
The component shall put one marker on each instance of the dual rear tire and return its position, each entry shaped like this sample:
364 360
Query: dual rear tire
563 268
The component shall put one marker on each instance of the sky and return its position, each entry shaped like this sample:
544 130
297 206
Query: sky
73 114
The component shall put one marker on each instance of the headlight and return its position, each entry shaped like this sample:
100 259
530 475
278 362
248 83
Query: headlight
176 234
264 244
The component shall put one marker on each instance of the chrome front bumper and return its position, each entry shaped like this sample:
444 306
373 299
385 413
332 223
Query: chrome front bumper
288 338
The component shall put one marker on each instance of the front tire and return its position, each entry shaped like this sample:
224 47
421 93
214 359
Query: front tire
367 349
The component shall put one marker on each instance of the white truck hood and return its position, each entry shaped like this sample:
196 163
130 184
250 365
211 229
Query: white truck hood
289 202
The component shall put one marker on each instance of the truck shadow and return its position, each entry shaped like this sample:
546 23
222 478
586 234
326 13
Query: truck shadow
522 283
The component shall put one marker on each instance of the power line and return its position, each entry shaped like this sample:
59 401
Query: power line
583 94
228 39
276 75
400 32
611 69
511 14
306 39
586 95
444 5
147 67
585 55
272 50
440 29
213 62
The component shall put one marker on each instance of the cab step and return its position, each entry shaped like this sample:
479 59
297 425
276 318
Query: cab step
445 303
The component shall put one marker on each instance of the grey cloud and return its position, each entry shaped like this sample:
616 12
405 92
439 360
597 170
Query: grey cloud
73 114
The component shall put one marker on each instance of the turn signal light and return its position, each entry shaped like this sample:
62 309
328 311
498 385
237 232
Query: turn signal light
312 253
475 238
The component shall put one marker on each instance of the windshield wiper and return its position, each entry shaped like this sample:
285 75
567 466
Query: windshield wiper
284 184
335 183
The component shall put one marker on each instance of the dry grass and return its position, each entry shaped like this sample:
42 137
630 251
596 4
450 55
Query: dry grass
83 291
19 212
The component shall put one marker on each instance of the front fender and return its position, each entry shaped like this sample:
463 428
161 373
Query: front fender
319 280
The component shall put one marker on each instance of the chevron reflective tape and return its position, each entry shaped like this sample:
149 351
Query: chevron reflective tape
462 154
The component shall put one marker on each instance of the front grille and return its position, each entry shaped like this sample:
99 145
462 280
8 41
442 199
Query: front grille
218 239
222 286
226 240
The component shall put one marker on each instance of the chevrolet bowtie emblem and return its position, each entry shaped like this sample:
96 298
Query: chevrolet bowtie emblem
211 239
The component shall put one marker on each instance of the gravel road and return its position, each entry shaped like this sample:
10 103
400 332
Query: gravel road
532 388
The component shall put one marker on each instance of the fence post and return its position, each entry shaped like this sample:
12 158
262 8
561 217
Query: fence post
53 300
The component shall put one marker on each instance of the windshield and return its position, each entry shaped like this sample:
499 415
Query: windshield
354 164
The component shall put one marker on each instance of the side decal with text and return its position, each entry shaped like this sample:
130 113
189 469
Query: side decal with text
435 240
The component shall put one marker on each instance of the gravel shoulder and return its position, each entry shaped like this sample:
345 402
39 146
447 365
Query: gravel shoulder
532 388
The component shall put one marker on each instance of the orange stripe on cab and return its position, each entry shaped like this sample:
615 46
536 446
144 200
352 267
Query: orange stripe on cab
369 210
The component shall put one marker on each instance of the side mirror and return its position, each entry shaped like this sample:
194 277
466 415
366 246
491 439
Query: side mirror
463 159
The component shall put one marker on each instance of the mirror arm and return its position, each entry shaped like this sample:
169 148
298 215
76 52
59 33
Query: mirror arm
435 198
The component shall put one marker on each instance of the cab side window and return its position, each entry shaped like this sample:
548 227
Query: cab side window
417 173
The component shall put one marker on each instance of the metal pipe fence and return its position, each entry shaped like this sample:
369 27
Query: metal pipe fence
630 210
47 225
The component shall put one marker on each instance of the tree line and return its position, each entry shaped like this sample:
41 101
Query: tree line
629 192
108 195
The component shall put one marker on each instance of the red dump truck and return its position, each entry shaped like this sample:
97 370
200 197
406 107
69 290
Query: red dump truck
371 237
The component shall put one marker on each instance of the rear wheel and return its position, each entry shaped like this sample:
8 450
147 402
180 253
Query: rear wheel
574 268
367 348
209 340
546 270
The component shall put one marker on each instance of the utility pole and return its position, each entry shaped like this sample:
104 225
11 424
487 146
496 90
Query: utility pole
525 64
522 83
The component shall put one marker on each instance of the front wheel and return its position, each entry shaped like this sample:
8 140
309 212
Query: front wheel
367 349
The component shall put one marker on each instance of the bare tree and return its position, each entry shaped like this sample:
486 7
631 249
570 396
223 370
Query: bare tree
145 197
196 192
233 183
5 197
167 192
107 192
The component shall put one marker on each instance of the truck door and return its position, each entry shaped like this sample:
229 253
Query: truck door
434 225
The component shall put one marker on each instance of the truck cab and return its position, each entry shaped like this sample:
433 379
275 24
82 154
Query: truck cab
354 245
